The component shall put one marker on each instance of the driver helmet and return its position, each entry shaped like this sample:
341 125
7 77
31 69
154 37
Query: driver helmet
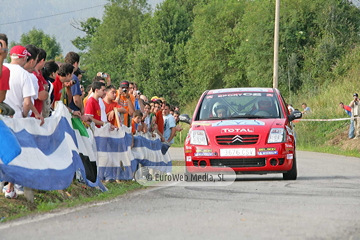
221 111
264 103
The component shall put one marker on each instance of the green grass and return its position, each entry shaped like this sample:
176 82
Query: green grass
75 195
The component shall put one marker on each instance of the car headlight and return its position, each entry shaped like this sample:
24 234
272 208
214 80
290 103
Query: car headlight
277 135
198 137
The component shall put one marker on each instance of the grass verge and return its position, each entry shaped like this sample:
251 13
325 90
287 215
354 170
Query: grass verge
76 194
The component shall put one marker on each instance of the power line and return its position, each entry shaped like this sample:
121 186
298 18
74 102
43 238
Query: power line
58 14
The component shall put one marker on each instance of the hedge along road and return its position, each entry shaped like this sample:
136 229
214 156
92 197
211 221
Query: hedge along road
324 203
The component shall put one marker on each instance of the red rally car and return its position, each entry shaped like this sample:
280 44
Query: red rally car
246 129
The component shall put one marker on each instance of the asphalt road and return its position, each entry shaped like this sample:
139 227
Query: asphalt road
324 203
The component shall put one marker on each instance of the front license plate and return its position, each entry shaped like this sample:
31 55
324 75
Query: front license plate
237 152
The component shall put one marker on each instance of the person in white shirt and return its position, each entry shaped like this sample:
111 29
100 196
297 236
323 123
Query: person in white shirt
21 91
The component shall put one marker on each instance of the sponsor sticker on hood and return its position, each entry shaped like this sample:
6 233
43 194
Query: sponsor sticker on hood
239 123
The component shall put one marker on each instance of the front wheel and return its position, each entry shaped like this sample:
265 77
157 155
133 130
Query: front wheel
292 173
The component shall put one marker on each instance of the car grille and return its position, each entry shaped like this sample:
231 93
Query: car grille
237 139
238 162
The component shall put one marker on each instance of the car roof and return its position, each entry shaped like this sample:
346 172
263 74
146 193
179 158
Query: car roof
249 89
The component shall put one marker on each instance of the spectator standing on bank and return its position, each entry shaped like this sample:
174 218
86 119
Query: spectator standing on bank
169 125
76 104
111 104
177 121
347 110
159 117
20 93
307 109
101 102
43 92
5 109
49 73
92 108
355 110
125 99
137 124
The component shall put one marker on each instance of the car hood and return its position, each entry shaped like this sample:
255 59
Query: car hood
239 126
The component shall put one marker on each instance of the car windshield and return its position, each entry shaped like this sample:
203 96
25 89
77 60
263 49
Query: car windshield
234 105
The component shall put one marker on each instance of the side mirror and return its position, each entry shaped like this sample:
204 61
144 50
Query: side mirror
185 118
295 115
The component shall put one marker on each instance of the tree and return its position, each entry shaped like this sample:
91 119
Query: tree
157 60
210 51
89 27
115 38
41 40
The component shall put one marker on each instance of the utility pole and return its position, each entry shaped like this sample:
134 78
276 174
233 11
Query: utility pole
276 45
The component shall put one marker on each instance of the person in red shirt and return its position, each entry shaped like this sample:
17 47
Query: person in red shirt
64 75
43 93
92 108
4 71
110 104
159 117
5 109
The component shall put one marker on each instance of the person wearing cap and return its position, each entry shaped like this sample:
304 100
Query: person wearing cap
127 101
22 88
154 98
355 111
21 91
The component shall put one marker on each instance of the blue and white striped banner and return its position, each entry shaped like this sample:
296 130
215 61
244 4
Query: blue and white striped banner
118 159
51 154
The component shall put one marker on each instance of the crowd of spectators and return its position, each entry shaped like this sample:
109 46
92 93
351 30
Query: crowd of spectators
30 86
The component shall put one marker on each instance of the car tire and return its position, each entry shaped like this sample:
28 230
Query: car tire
292 173
189 176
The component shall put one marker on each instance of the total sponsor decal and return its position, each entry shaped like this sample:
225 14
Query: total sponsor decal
188 158
239 122
290 156
237 130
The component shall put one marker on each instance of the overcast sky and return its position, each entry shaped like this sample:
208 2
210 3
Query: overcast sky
52 16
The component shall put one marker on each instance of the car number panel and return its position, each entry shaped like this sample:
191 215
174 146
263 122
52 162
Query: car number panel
233 152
